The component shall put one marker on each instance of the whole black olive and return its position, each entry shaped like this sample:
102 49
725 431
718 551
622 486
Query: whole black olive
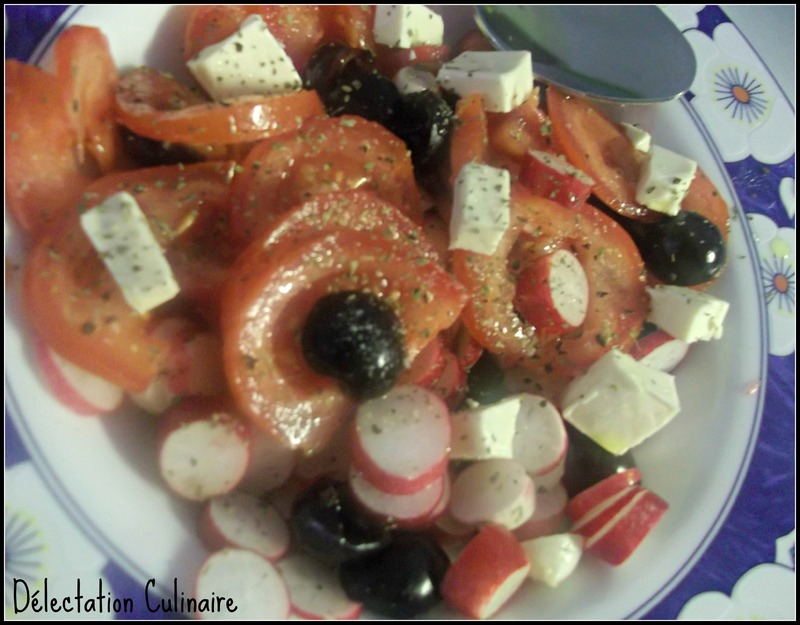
356 338
363 92
486 380
684 250
400 581
588 463
323 72
423 120
327 523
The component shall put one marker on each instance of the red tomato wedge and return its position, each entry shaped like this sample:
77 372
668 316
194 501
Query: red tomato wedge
389 61
156 106
73 302
271 294
525 128
618 302
86 69
299 28
43 177
349 24
704 198
327 154
469 141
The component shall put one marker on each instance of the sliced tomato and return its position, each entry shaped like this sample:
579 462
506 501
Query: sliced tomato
43 177
73 302
512 134
299 28
156 106
704 198
328 154
85 67
350 24
474 41
469 141
618 301
600 148
389 61
270 298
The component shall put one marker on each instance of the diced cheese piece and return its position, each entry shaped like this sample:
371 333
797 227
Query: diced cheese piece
412 80
481 208
120 233
664 180
249 62
503 78
560 165
485 431
687 314
640 138
407 26
619 402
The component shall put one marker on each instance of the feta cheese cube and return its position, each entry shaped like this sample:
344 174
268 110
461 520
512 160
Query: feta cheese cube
407 26
481 208
249 62
121 234
485 431
620 402
503 78
664 180
640 138
687 314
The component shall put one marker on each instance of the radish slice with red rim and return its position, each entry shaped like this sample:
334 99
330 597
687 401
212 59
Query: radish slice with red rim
314 590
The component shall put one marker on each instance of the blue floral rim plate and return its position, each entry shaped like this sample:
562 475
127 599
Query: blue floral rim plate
65 520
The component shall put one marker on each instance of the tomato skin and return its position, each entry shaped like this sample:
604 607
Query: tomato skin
86 69
704 198
389 61
299 27
525 128
469 142
327 154
156 106
349 24
43 177
618 301
73 302
599 148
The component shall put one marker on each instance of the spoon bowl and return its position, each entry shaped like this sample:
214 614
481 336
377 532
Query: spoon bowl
623 54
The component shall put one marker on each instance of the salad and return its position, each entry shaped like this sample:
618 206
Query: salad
277 202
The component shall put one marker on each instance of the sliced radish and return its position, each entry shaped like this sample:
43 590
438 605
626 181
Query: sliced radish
427 366
552 478
252 583
548 514
553 558
493 491
204 448
487 572
271 464
596 494
623 534
540 439
333 460
552 294
407 510
485 431
244 521
283 497
82 392
315 591
550 176
400 441
659 350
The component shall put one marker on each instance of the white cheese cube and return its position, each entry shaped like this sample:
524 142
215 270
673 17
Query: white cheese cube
687 314
407 26
249 62
664 180
485 431
619 402
503 78
481 208
640 138
121 234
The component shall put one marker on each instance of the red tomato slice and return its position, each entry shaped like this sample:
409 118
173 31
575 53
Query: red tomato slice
704 198
156 106
328 154
86 69
389 61
618 302
349 24
43 177
469 141
600 148
271 296
512 134
299 27
73 302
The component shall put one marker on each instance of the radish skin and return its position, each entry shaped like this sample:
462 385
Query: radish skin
314 590
407 510
271 464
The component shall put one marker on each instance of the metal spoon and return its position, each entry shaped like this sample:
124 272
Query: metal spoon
631 54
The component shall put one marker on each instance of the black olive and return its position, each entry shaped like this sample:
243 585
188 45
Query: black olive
356 338
486 380
684 250
401 581
588 463
323 72
423 120
327 523
363 92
